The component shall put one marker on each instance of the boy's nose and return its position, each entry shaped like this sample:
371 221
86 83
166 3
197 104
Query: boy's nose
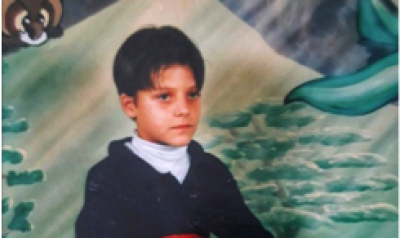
182 108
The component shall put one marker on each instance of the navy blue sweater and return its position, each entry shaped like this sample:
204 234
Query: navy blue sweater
127 198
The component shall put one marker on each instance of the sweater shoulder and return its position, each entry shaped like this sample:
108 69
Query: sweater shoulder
214 167
214 161
102 171
111 163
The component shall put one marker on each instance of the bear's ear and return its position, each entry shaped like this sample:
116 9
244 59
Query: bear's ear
57 8
5 4
54 31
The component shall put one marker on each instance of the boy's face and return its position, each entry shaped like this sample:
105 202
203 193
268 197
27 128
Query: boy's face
169 113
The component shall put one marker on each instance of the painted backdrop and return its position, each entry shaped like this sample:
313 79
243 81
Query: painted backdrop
304 171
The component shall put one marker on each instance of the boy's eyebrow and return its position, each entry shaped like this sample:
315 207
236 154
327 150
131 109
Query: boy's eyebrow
171 88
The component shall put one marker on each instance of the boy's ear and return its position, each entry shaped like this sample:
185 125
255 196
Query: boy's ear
128 105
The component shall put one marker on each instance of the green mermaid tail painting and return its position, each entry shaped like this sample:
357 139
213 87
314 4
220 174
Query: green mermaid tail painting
355 94
371 87
378 21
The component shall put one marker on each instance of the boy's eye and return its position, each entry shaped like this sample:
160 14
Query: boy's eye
163 96
194 94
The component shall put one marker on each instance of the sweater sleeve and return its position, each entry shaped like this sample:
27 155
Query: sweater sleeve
232 217
100 216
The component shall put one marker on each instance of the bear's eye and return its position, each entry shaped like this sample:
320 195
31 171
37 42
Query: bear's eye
44 17
26 20
20 19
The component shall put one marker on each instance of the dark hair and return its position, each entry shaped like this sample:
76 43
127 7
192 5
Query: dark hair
149 50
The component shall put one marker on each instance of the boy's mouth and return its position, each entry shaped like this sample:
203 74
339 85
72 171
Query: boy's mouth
183 126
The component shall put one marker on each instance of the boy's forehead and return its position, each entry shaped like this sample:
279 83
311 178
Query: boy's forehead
165 80
168 85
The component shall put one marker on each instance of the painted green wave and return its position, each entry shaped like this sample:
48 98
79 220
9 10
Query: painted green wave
358 93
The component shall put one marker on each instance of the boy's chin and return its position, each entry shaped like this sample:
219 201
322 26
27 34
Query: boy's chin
178 142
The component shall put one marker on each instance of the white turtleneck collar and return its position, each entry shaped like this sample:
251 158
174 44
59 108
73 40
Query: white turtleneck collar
162 158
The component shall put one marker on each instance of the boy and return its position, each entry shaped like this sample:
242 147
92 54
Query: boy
161 183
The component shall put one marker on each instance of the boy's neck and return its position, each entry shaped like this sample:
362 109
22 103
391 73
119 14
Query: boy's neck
163 158
146 144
